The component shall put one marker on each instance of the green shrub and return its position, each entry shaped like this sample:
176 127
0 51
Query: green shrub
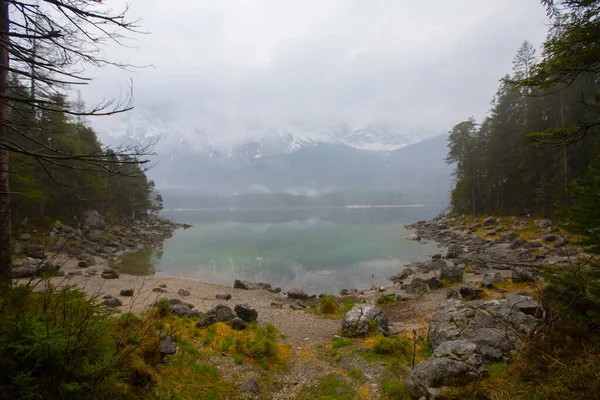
57 343
392 346
329 305
386 299
395 389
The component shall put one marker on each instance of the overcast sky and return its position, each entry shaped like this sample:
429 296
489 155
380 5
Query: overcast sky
416 64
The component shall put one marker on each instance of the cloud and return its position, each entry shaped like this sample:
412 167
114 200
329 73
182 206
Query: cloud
414 64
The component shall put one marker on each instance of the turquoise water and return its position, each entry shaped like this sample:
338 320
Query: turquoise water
319 250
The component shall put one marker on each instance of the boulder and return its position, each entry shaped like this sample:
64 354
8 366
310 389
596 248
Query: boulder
297 293
533 244
436 256
238 324
523 275
298 305
182 309
415 237
183 292
82 264
417 286
34 267
518 242
567 251
495 326
159 290
219 313
238 284
509 237
452 274
111 301
88 258
93 220
166 345
109 273
491 279
434 283
126 292
489 221
362 318
249 386
550 238
542 223
525 304
452 363
470 292
432 266
223 296
95 235
245 312
35 251
402 275
560 242
474 226
17 248
454 251
24 236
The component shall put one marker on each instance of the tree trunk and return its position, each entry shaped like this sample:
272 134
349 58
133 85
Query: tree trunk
5 245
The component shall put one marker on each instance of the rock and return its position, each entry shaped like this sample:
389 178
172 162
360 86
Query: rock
219 313
452 294
82 264
18 248
550 238
88 258
246 285
452 274
276 305
474 226
344 292
249 386
533 244
434 283
491 279
111 301
276 290
296 293
522 275
362 318
238 324
452 362
183 292
417 286
159 290
436 256
162 285
525 304
560 242
245 312
93 220
509 237
432 266
166 345
489 221
109 273
499 229
35 251
490 233
182 309
24 236
567 251
401 276
95 236
298 305
413 237
223 296
518 242
495 326
75 273
542 223
454 251
126 292
34 267
402 297
470 292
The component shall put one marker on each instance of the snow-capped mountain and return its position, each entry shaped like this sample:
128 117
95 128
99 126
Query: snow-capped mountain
207 133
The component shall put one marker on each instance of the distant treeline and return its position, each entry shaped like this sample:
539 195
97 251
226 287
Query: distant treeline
284 200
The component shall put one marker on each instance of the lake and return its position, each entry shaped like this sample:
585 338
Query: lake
322 250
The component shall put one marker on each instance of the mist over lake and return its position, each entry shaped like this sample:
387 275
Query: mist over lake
321 250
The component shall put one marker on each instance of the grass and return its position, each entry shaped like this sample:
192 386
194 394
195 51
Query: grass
395 389
331 387
386 299
327 305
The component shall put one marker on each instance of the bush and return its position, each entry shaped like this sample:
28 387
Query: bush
57 343
329 305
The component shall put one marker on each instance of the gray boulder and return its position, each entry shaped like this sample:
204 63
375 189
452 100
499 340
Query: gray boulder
495 326
415 237
363 317
525 304
470 292
126 292
82 264
238 284
109 273
416 286
402 275
560 242
454 251
452 274
533 244
223 296
183 292
296 293
489 221
509 237
434 283
475 226
542 223
95 235
93 220
111 301
245 312
219 313
238 324
452 363
166 345
567 251
490 280
35 251
523 275
88 258
34 267
432 266
249 386
182 309
24 236
518 242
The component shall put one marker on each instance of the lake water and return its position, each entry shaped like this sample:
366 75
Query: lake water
318 250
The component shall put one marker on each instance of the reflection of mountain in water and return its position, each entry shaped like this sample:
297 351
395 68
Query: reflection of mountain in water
336 215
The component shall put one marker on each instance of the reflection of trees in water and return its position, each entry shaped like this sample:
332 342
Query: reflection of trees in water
338 215
141 262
